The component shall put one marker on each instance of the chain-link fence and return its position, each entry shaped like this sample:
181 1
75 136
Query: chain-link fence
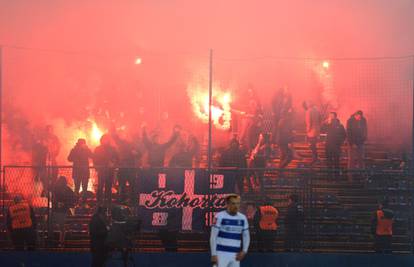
337 213
155 109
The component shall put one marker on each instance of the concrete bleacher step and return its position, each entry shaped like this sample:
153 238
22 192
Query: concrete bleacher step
360 200
340 231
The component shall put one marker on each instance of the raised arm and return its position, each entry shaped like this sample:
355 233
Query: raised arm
71 156
173 138
145 139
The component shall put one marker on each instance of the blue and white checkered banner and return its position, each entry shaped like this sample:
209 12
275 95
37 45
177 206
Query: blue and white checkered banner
183 200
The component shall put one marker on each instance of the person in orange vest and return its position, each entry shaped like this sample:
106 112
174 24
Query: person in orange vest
381 227
21 224
265 221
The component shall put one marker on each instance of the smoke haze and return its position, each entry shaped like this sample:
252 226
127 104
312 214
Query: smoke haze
68 63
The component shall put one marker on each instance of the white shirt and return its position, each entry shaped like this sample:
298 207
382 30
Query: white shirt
227 232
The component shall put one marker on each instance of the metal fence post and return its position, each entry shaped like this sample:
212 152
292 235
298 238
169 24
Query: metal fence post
411 167
3 192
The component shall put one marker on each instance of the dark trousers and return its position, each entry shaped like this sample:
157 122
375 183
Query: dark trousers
356 156
99 258
285 155
169 239
105 180
265 240
313 141
81 181
383 244
293 240
22 238
99 250
275 129
333 154
43 175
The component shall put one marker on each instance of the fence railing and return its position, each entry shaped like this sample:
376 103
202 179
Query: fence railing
337 206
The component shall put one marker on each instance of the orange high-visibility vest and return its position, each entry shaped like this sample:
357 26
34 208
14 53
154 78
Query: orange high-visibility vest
384 225
268 218
20 216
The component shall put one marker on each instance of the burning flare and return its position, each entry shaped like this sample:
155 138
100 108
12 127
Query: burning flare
95 134
220 108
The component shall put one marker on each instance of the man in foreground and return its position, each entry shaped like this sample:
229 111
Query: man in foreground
226 235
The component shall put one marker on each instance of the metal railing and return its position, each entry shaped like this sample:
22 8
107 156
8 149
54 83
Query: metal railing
337 205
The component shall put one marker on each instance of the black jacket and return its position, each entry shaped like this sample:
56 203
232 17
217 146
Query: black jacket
184 159
294 218
79 156
357 131
156 152
285 130
105 157
98 232
39 155
63 198
233 157
335 134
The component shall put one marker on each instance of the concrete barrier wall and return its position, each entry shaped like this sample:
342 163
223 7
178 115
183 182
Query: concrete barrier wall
66 259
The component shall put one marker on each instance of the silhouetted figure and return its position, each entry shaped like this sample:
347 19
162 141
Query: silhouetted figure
382 226
285 138
168 234
235 157
185 154
294 227
39 162
313 128
127 173
122 233
258 159
281 104
252 121
105 159
63 198
21 223
98 230
404 162
156 150
357 133
79 156
335 137
53 148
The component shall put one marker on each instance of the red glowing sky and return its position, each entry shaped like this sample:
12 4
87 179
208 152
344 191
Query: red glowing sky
338 28
97 43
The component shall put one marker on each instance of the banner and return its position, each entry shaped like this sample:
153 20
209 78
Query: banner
182 200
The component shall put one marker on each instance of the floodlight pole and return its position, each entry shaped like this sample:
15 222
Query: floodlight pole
210 102
2 177
411 166
210 128
1 114
412 117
